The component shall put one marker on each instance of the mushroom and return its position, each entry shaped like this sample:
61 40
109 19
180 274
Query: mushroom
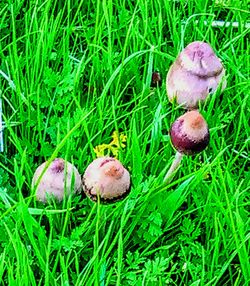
107 179
189 135
156 79
59 179
195 74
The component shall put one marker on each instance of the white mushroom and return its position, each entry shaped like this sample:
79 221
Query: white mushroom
107 178
195 74
59 180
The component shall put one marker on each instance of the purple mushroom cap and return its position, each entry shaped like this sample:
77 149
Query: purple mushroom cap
189 133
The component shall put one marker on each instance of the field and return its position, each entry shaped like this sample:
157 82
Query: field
75 75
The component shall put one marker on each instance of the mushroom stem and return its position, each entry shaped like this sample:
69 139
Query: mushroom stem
173 167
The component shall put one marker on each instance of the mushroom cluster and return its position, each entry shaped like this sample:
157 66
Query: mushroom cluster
195 74
105 178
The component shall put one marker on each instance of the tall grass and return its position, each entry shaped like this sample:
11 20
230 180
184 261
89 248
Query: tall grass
72 73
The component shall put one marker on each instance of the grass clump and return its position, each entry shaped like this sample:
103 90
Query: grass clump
71 74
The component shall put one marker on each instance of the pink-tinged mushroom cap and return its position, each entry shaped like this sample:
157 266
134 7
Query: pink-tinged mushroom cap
189 133
196 72
200 59
57 180
107 178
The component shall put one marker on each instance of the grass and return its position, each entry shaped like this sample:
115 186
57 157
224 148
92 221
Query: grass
74 72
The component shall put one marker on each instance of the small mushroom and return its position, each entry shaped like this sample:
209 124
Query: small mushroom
156 79
189 135
107 179
195 74
56 181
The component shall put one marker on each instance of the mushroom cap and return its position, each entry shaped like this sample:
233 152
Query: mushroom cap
196 72
200 59
156 79
107 178
56 181
189 133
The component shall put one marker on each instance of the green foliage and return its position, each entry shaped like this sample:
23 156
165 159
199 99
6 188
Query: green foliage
72 73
